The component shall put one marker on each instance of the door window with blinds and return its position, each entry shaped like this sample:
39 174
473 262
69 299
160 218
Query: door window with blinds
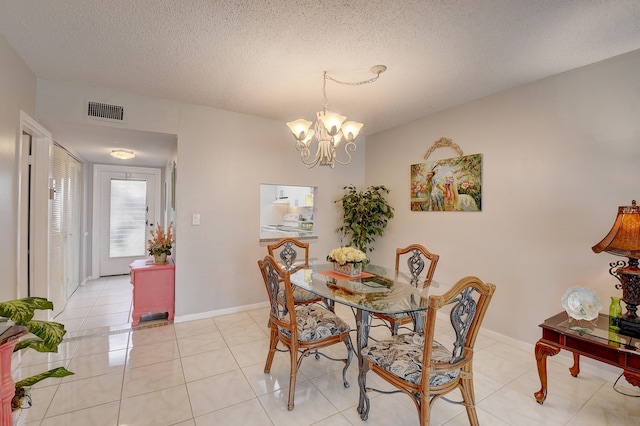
127 224
126 208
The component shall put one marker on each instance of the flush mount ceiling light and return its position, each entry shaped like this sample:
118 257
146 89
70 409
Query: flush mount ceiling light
122 154
328 129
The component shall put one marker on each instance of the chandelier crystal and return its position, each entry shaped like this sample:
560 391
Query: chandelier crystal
329 129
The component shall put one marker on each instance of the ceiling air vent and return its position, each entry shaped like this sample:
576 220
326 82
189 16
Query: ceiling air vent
105 111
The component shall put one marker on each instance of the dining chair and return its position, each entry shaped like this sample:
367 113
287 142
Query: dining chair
287 251
417 258
426 369
301 329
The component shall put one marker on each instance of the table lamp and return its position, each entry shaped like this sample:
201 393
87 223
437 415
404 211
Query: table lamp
624 240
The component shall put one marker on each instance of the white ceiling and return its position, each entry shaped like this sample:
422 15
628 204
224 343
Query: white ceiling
266 58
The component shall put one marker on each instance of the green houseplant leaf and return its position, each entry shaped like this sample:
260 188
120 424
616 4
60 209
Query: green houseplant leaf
44 336
21 311
50 335
30 381
365 215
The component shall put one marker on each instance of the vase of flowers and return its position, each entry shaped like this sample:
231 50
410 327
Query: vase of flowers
347 261
159 246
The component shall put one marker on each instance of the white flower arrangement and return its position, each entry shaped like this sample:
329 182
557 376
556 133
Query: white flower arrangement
345 255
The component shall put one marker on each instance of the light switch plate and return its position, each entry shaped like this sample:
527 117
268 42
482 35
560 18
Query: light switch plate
195 219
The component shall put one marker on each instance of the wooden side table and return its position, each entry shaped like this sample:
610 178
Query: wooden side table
593 339
153 288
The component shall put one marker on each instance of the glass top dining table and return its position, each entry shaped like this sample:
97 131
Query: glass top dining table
377 290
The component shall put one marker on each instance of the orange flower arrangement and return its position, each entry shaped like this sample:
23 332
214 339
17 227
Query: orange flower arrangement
161 242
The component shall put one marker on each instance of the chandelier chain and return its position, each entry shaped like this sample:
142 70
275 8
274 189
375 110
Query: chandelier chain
348 83
325 100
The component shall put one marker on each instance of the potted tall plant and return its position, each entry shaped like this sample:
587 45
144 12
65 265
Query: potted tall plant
44 336
365 215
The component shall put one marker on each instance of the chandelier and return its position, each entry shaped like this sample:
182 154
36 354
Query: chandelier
329 129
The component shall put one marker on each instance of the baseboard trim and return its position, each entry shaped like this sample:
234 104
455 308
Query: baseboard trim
220 312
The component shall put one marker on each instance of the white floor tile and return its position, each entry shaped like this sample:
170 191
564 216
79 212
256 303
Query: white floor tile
245 413
152 353
310 406
100 415
152 377
85 393
217 392
164 407
204 342
208 364
211 371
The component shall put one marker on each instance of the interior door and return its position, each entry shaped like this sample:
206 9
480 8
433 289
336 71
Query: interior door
73 215
129 209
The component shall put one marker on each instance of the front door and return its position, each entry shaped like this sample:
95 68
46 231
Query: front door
129 210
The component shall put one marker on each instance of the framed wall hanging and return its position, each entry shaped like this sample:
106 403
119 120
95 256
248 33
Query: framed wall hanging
452 184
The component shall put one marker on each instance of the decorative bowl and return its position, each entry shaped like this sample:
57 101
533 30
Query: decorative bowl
581 303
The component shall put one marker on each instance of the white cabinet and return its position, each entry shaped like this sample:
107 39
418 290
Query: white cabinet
298 196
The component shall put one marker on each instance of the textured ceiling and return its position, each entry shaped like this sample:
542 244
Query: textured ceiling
267 57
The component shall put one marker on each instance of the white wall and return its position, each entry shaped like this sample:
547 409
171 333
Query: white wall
559 156
17 92
222 159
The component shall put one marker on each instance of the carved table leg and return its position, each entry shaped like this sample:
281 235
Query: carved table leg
575 369
362 322
543 349
632 378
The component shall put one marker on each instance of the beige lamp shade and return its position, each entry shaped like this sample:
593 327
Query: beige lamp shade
299 128
350 130
332 122
624 237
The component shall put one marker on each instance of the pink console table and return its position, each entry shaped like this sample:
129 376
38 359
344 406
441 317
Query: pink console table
153 288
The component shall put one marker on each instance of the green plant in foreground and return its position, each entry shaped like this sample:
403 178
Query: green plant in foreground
45 336
365 215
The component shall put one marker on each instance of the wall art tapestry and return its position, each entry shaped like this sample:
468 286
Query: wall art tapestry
452 184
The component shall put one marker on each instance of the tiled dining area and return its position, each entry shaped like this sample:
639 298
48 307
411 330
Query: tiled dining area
210 372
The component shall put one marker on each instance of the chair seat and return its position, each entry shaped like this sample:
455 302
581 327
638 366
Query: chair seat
300 295
402 355
317 323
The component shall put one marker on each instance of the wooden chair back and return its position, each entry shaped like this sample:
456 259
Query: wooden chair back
467 302
446 365
416 263
282 312
287 250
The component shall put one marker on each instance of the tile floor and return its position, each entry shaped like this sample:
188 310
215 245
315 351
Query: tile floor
210 372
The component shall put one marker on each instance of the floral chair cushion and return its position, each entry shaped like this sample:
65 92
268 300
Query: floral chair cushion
316 323
401 355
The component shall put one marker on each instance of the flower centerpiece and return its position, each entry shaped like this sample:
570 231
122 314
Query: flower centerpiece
159 246
347 261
